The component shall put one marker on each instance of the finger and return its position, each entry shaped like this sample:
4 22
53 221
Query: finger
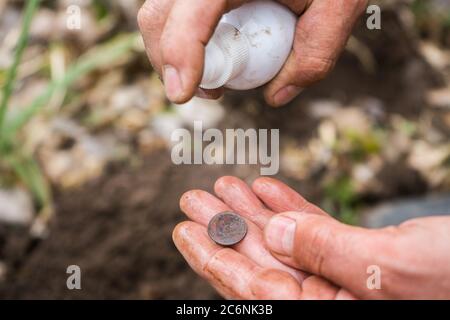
317 288
344 294
235 275
201 207
183 44
238 195
327 248
152 18
281 198
321 35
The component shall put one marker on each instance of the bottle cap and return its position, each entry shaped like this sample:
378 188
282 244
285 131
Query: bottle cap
226 56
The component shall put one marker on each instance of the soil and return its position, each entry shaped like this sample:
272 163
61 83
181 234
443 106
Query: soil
118 228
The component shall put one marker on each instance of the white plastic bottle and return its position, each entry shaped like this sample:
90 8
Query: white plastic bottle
249 47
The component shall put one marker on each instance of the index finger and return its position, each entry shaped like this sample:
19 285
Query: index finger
281 198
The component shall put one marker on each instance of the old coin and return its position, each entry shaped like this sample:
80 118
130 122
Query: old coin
227 228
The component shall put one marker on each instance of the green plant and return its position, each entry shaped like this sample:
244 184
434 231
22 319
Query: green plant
13 157
341 199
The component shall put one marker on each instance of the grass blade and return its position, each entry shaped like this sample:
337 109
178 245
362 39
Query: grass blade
7 90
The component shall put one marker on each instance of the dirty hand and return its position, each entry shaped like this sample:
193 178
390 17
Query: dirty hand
176 33
412 259
248 270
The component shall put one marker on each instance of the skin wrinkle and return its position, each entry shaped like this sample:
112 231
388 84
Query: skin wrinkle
234 190
186 246
152 17
251 269
318 256
367 246
265 278
346 244
411 266
224 285
251 280
261 187
216 275
272 191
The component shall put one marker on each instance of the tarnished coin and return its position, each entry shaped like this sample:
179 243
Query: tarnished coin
227 228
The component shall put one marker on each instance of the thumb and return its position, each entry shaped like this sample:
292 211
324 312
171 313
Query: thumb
325 247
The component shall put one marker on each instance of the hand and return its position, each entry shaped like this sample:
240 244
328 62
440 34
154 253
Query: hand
248 270
175 39
413 258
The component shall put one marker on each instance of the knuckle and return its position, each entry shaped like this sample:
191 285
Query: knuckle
269 284
169 42
395 264
214 272
358 5
149 15
319 68
320 240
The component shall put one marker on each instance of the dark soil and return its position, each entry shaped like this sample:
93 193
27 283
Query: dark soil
118 229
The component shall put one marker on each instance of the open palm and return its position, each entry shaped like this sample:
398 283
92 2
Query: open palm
248 270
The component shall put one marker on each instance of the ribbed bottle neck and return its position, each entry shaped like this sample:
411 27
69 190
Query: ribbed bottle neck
226 56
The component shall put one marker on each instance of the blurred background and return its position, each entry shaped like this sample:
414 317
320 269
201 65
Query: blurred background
85 171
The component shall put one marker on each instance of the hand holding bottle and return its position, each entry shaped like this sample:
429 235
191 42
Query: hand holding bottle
177 32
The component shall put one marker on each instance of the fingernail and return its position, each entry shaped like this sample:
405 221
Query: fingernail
280 234
286 94
201 94
172 83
